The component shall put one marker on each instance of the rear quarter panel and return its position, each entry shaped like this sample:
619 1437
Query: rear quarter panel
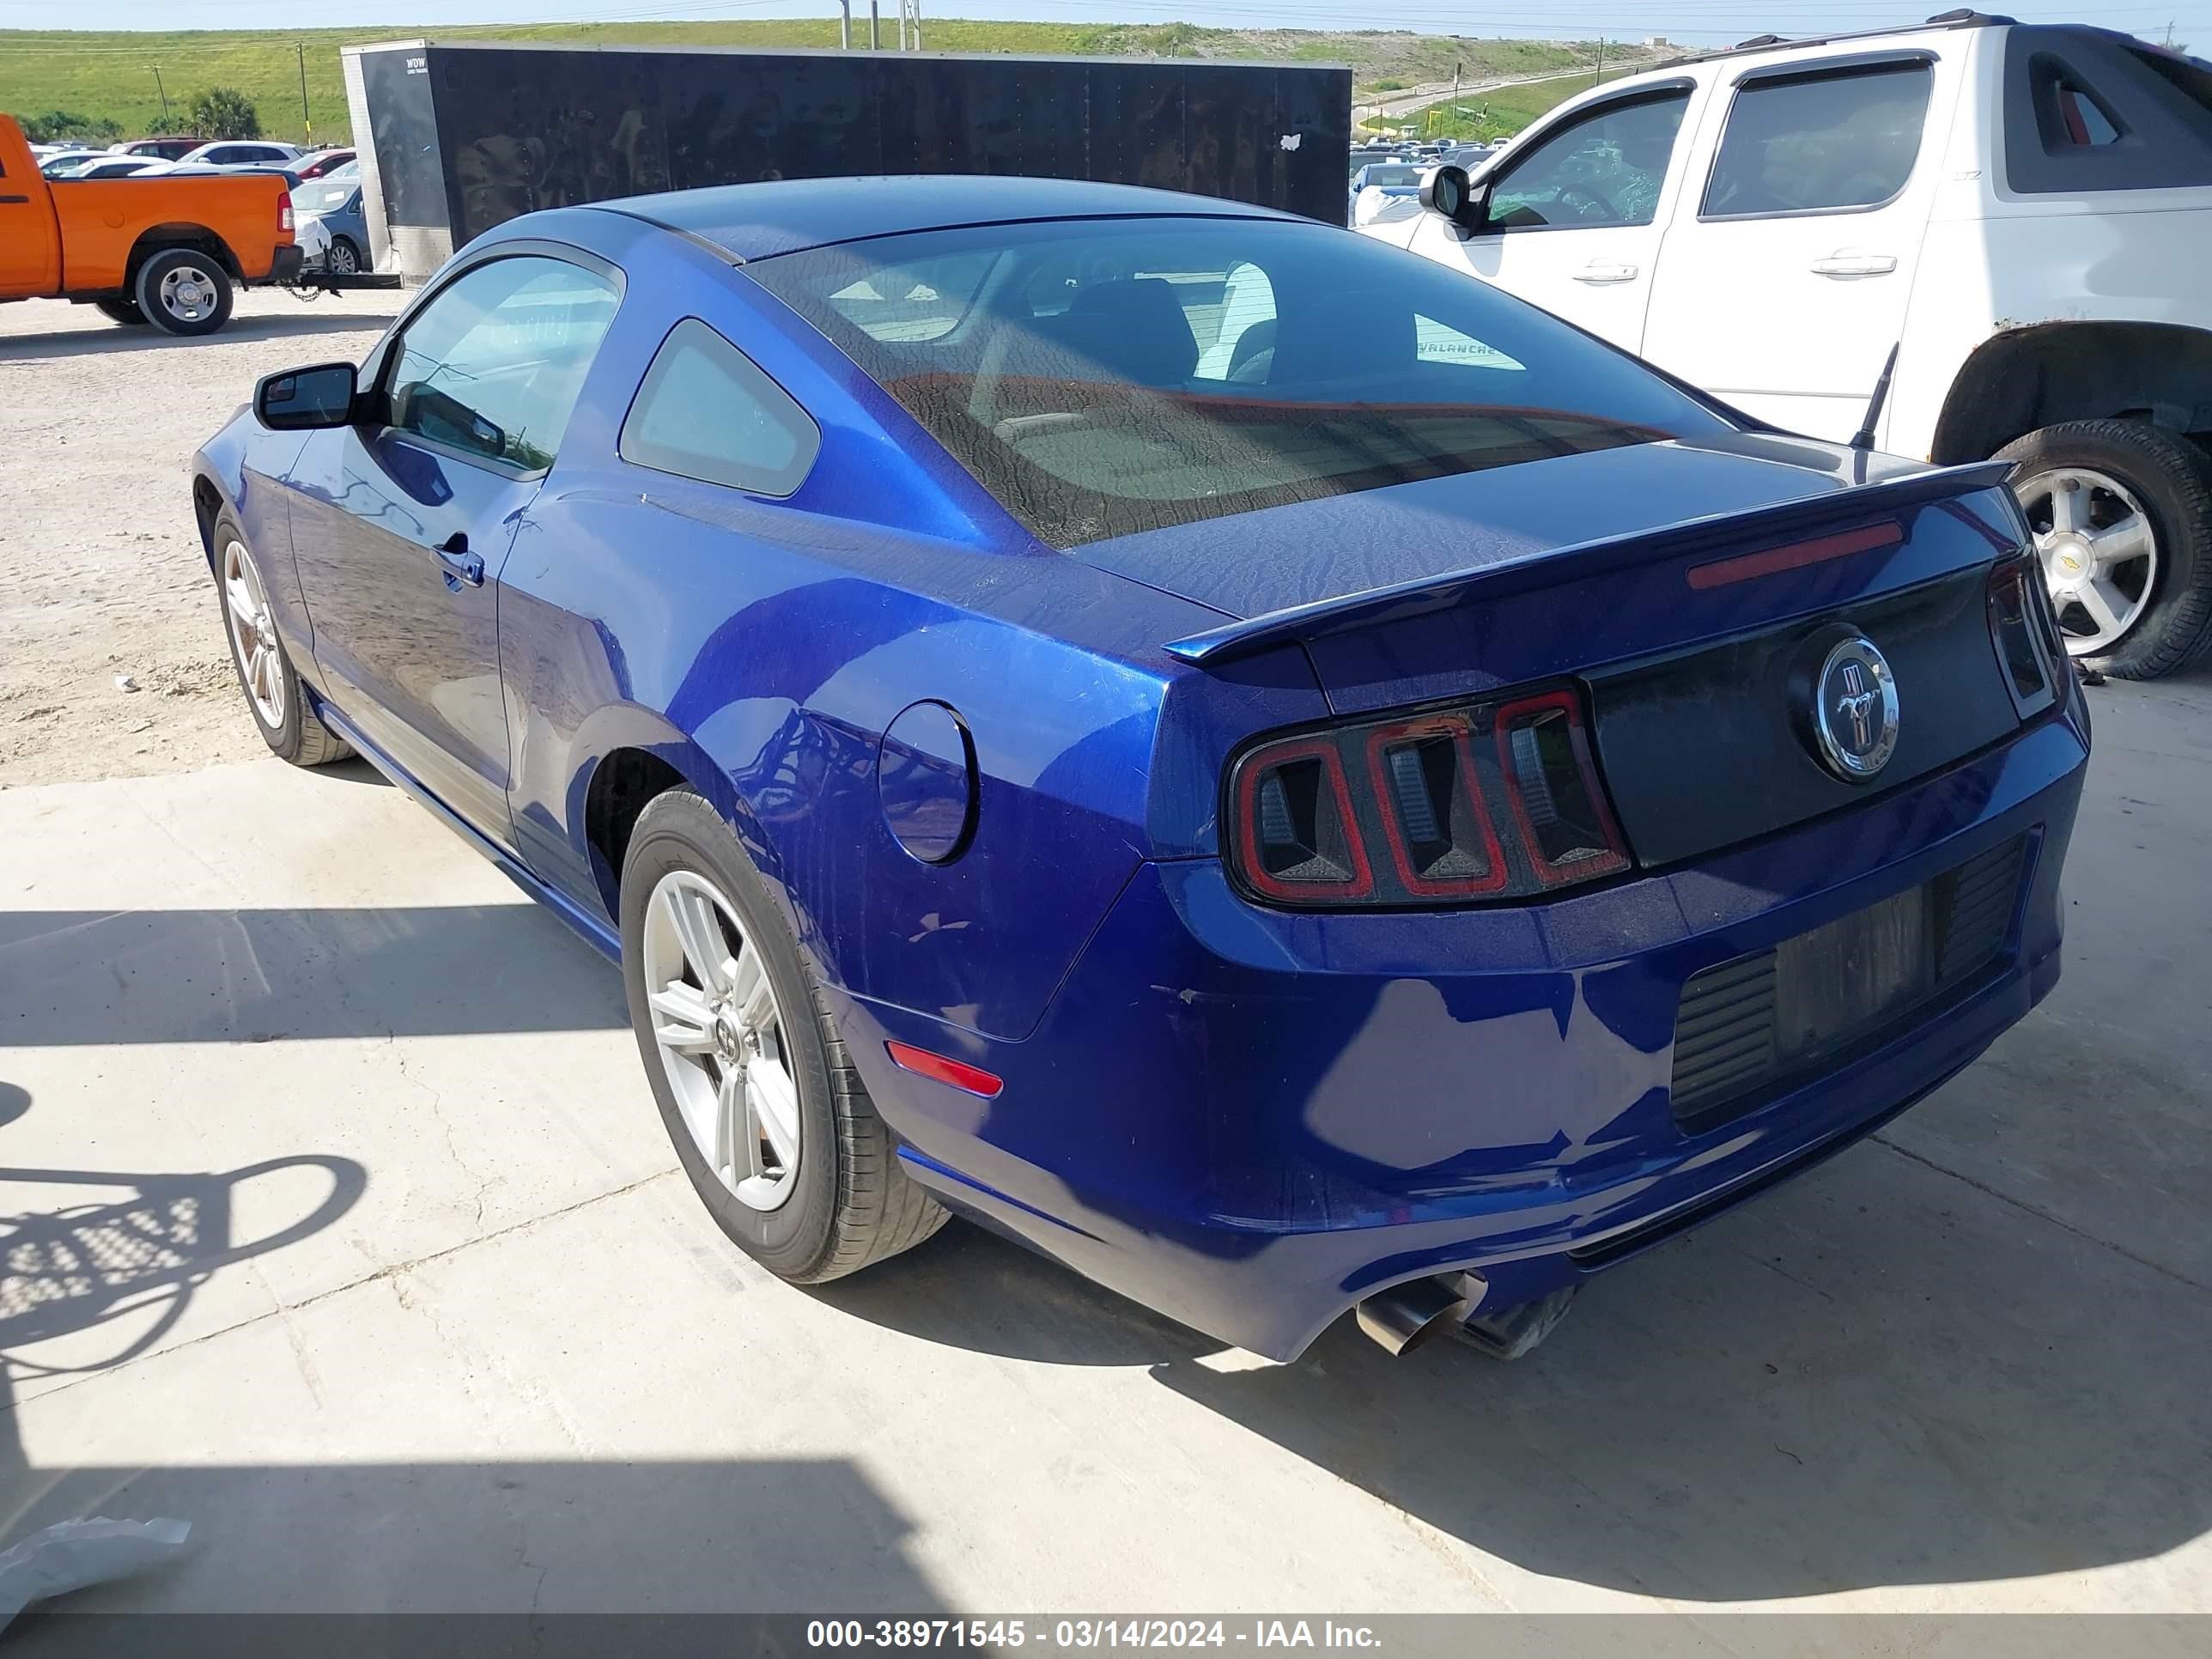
102 218
762 647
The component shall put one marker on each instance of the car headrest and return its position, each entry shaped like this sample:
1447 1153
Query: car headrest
1135 327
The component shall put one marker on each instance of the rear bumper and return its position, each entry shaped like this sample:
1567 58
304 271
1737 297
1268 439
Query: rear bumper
286 265
1250 1120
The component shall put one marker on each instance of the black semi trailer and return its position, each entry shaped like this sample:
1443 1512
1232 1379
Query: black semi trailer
455 139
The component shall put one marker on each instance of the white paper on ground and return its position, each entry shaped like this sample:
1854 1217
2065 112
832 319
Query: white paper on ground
74 1555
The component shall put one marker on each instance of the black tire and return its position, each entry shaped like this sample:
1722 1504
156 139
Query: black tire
298 737
343 259
203 272
846 1211
2172 477
124 312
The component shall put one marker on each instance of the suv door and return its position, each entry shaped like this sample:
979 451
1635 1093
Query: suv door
400 524
1573 222
1784 280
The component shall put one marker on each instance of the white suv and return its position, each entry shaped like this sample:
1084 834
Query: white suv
2024 213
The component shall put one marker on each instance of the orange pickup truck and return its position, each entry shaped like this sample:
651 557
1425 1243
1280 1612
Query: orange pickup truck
167 250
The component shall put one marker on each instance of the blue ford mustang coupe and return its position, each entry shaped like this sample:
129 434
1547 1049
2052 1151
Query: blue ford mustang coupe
1359 796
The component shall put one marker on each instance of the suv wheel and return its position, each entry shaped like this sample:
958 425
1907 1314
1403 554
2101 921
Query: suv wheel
2122 512
182 291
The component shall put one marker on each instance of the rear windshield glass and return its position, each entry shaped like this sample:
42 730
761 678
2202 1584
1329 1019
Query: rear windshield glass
1114 376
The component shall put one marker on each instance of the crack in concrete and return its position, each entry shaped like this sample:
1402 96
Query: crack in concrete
483 1184
2042 1214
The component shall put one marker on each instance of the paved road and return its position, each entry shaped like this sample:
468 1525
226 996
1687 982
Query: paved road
338 1222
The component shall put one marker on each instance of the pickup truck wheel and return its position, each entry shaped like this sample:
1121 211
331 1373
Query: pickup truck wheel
272 690
2122 513
184 291
125 312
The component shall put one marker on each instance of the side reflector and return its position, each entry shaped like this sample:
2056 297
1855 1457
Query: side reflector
1768 561
940 1068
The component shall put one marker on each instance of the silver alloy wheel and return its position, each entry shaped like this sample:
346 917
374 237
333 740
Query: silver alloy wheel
188 294
341 260
720 1032
2098 552
253 635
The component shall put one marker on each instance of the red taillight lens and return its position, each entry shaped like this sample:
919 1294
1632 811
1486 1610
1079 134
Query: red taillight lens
2024 628
1433 812
1301 842
284 214
1557 799
1433 790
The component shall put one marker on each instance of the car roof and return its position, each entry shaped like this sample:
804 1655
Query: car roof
759 221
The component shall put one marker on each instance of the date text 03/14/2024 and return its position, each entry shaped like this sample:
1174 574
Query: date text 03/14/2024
1076 1634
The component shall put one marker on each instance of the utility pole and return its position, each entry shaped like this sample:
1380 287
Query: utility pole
917 24
164 91
306 119
875 25
845 25
1601 57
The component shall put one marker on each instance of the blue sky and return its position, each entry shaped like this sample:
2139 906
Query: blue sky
1702 21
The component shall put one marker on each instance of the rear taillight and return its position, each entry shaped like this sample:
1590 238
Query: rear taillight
284 214
2024 628
1460 806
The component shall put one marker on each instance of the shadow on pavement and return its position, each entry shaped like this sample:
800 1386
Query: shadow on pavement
90 341
1858 1382
100 977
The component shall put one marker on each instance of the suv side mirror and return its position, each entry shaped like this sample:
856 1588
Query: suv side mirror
1446 193
306 399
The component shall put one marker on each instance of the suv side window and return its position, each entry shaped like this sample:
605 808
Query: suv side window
1816 142
1604 169
705 410
493 364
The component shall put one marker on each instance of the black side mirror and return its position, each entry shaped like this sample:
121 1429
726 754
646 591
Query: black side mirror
306 399
1446 193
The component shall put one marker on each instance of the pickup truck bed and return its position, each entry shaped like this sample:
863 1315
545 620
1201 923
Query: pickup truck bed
167 250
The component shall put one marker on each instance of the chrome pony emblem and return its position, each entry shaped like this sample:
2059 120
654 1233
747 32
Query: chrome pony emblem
1855 709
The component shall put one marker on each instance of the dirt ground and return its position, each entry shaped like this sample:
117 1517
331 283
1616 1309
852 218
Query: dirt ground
93 596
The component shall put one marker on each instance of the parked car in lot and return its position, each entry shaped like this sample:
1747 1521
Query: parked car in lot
240 152
1379 182
120 166
321 162
67 163
166 249
328 211
2019 211
166 149
1241 824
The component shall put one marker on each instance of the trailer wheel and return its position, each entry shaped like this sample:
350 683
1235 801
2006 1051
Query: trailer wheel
124 312
184 291
343 259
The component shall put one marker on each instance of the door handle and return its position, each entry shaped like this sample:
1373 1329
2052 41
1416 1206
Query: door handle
14 198
1846 261
1597 272
461 565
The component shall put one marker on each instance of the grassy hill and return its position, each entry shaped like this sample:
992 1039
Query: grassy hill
1497 113
112 76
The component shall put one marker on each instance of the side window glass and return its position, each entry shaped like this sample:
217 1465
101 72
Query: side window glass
1808 143
705 410
1605 169
493 365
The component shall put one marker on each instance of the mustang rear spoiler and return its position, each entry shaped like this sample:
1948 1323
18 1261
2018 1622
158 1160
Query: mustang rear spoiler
1737 533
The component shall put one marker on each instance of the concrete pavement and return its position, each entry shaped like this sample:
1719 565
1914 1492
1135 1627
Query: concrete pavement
336 1218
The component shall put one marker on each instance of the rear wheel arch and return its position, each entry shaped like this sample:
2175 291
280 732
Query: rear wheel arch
641 758
156 238
2024 380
